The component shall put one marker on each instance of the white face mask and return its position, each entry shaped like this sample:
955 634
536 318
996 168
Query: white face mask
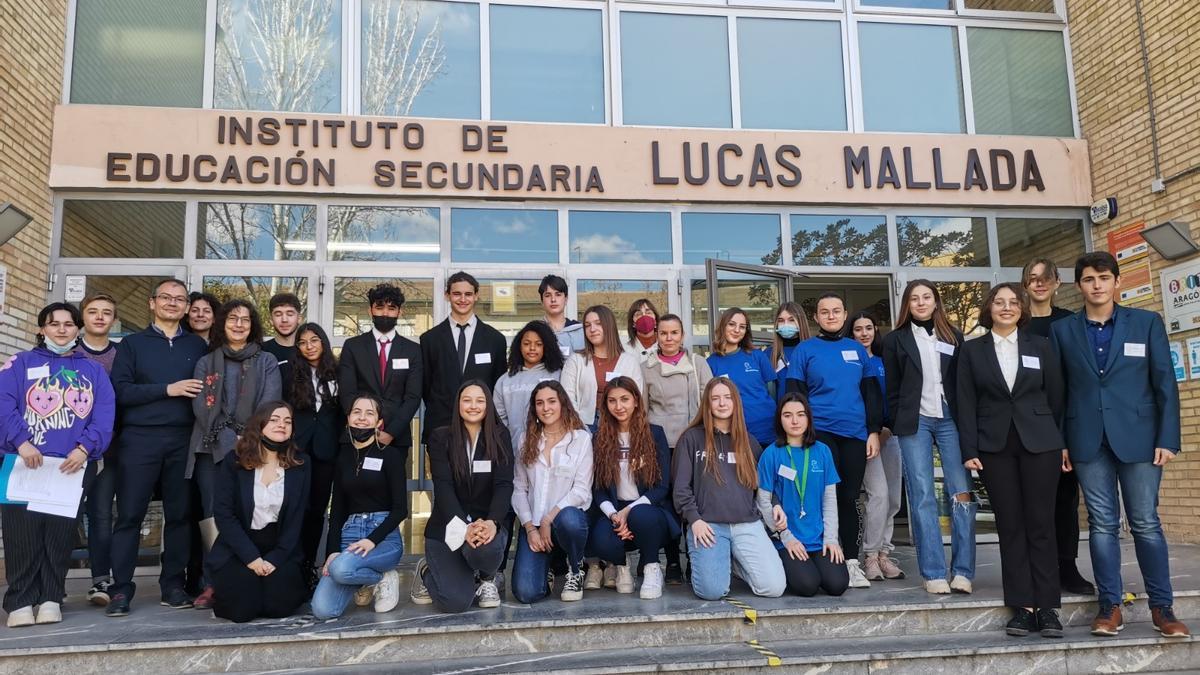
49 344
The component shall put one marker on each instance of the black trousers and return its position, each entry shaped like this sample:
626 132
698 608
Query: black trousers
151 456
318 508
806 577
1022 487
451 575
1066 517
850 459
37 552
240 595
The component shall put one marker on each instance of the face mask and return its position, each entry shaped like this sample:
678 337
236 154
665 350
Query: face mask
787 331
361 435
275 446
645 324
60 350
384 324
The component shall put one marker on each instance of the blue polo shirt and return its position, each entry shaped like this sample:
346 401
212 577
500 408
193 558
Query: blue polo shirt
1100 338
751 371
833 370
810 529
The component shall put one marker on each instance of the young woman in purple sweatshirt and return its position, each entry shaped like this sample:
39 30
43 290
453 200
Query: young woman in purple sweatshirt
53 404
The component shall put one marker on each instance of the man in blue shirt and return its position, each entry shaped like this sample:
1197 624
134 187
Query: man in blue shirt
1121 428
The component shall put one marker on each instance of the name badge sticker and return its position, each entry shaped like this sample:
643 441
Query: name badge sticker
731 457
945 348
565 349
849 356
482 466
1137 349
787 472
483 358
372 463
37 373
1031 362
564 471
399 364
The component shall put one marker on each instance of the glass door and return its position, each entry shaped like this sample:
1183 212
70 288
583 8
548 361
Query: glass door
757 289
131 287
257 283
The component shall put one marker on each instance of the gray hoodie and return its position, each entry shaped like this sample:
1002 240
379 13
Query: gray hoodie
512 396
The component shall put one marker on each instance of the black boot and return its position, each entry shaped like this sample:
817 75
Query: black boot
1071 581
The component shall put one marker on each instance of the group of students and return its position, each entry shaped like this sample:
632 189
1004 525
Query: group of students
592 446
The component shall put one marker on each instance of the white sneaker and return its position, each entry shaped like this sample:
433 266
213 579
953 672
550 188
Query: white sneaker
857 578
595 577
624 581
937 586
610 576
417 592
487 595
364 595
49 612
960 584
652 582
19 618
572 587
387 592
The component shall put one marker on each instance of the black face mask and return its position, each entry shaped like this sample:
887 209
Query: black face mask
384 324
275 446
361 435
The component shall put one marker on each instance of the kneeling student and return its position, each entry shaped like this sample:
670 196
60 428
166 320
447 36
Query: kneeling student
258 506
466 536
796 475
631 485
370 500
714 484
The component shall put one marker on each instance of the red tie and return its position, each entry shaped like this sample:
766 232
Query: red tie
383 359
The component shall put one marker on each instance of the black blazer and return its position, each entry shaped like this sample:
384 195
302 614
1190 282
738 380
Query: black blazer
986 408
358 373
318 433
439 348
480 496
902 373
233 512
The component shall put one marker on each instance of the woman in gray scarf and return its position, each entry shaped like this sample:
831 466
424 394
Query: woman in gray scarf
237 376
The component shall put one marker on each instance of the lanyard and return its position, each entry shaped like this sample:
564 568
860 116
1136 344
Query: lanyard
801 484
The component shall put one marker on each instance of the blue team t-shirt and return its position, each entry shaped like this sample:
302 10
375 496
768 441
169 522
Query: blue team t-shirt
750 371
833 371
781 370
777 461
875 370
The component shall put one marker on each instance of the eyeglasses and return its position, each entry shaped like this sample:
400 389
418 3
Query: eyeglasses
172 299
1006 304
238 320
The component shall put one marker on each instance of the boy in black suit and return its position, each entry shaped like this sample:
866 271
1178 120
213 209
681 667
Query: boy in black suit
386 365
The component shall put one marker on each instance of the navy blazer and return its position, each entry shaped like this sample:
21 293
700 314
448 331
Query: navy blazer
658 495
1135 403
233 511
481 496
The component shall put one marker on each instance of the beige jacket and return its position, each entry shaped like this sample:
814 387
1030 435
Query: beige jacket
673 392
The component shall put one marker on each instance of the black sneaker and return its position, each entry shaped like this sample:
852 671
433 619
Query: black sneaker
118 605
98 593
1049 624
176 598
674 576
1022 623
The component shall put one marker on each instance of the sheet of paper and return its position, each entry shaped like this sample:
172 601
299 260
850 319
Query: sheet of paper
64 510
46 483
456 533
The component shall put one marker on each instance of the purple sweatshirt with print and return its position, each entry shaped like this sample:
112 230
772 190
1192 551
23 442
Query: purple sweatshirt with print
56 403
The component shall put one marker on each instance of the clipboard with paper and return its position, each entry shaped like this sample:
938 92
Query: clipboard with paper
45 489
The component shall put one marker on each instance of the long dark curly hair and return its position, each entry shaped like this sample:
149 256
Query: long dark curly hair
302 394
606 444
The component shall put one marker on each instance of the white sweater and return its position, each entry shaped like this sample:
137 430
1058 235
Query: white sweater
579 379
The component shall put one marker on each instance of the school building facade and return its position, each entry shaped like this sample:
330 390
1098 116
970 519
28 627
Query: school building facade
702 154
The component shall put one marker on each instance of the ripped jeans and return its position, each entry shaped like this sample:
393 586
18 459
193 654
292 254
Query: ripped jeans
917 459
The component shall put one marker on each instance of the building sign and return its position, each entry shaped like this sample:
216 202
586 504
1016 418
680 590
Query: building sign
1136 283
1126 243
1181 296
134 148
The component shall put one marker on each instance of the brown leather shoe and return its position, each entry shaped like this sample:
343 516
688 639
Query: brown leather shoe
1166 623
1108 621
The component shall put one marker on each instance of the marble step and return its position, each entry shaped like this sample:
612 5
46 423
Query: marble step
1138 649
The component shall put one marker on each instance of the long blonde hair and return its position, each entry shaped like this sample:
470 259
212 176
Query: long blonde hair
739 437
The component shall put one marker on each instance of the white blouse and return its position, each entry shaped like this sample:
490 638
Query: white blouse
268 500
565 481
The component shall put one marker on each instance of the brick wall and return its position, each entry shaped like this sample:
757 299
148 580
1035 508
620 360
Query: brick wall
1115 119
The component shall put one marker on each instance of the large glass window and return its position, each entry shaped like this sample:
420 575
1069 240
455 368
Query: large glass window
503 235
911 80
547 64
839 240
961 300
279 55
942 241
259 290
384 233
618 295
739 237
118 229
810 96
256 232
1019 82
352 312
675 70
1042 6
622 237
139 52
420 58
508 304
1022 239
131 293
910 4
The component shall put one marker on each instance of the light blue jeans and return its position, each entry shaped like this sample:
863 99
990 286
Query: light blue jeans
743 549
917 459
349 571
